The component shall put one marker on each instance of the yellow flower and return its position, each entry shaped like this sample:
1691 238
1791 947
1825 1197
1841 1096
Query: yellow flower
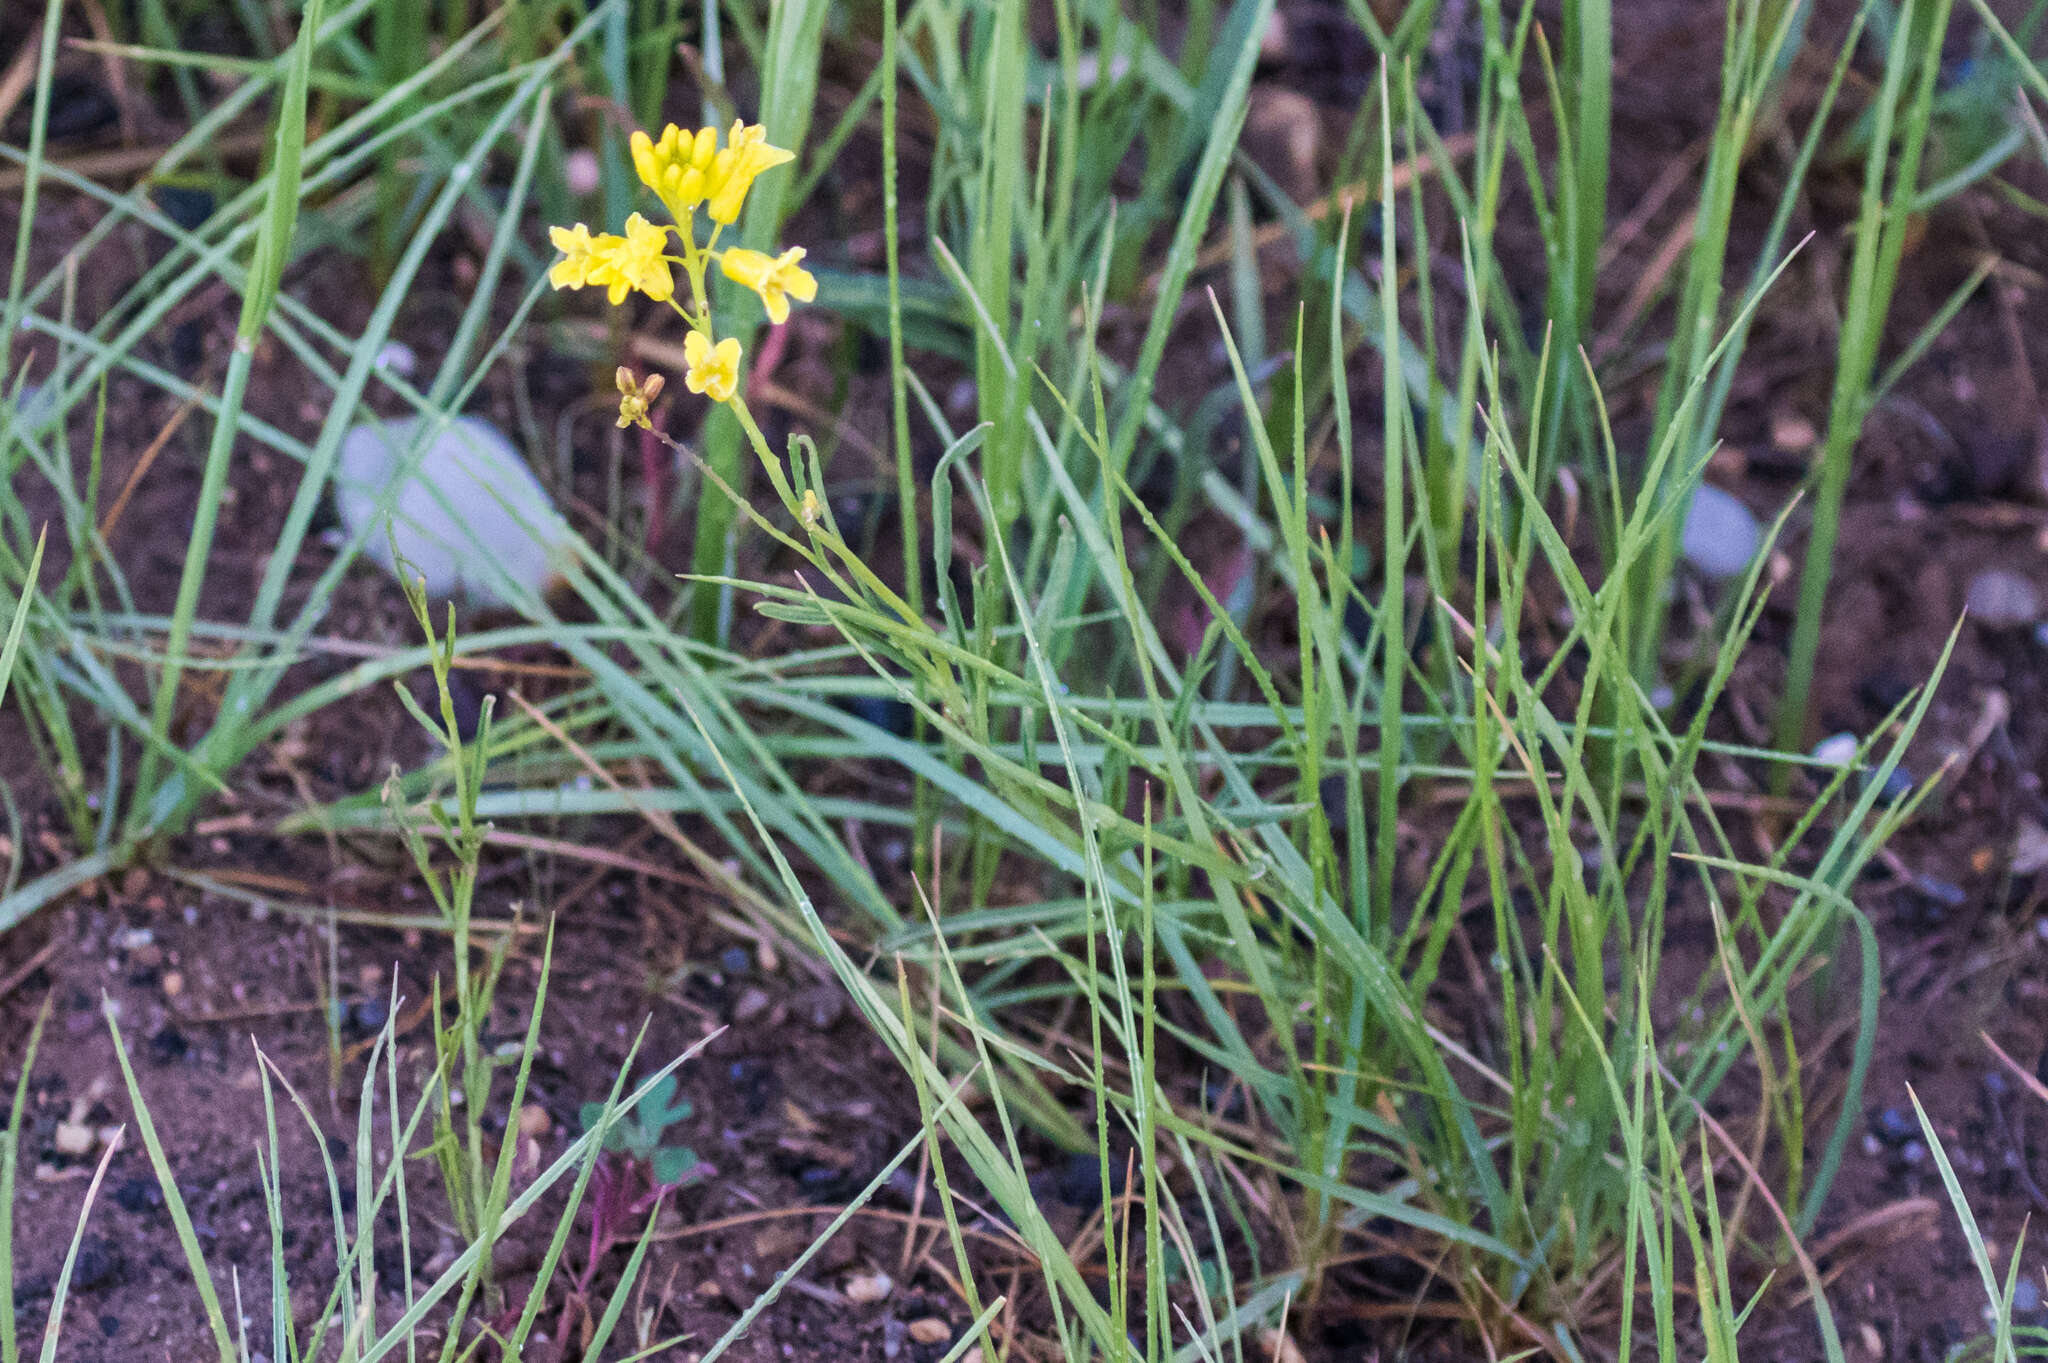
636 397
776 278
732 172
582 256
617 264
636 261
714 370
675 167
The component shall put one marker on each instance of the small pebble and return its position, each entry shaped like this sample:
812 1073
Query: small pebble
97 1264
399 358
865 1289
1721 535
73 1138
580 171
371 1014
1898 784
534 1121
1793 433
1893 1127
734 960
887 713
752 1003
185 205
1912 1152
137 1195
823 1007
1279 1346
1945 893
930 1330
168 1044
2001 599
2026 1297
1836 750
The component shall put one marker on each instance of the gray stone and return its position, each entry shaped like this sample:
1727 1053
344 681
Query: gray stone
1721 534
469 517
2001 599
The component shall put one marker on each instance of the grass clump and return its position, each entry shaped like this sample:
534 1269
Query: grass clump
1340 923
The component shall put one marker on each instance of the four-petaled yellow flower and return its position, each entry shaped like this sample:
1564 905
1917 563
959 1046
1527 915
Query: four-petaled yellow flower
638 262
676 166
746 154
776 278
713 371
582 256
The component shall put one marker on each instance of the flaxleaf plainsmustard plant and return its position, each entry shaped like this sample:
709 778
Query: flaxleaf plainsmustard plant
689 172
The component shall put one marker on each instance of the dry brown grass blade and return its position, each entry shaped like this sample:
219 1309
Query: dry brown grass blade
1648 287
1808 1269
248 887
2027 1078
14 84
1668 182
1007 1239
116 70
20 974
1880 1226
142 466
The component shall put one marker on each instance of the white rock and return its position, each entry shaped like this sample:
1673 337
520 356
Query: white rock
1837 750
398 357
2001 599
1721 535
581 171
865 1289
471 519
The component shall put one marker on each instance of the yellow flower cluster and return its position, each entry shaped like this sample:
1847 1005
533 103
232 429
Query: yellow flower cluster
688 172
688 169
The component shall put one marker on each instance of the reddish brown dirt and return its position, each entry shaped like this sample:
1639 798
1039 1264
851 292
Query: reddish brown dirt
794 1108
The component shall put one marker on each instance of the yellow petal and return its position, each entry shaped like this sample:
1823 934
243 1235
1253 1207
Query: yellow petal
800 283
702 148
745 267
645 161
726 358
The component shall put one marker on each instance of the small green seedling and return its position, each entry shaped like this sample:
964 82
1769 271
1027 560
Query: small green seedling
638 1135
636 1171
